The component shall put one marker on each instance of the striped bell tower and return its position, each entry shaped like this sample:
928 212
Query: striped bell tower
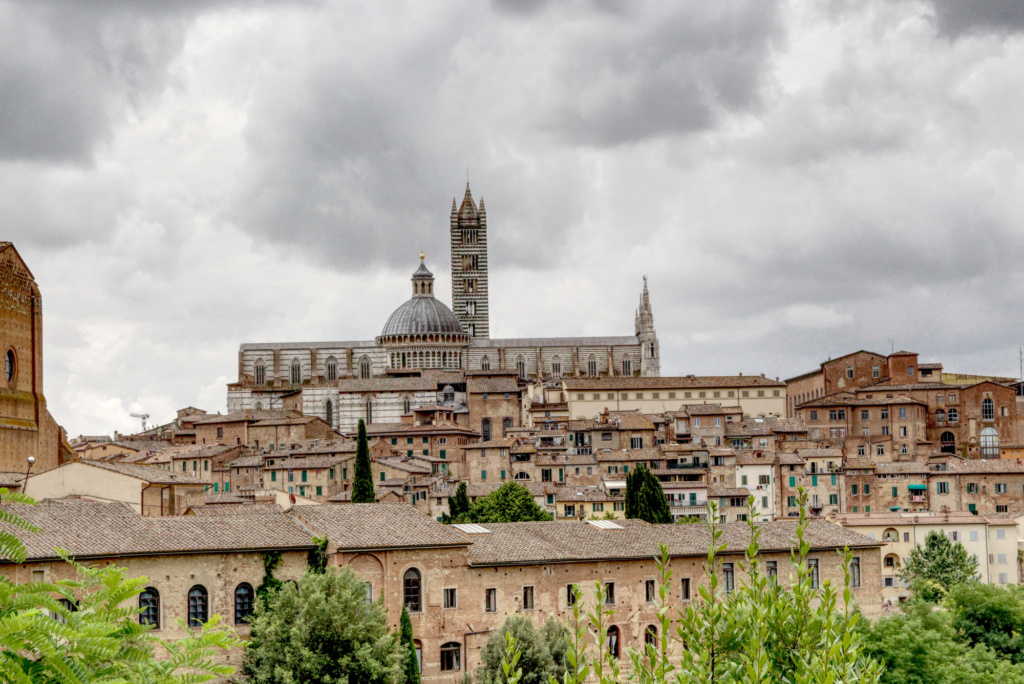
469 266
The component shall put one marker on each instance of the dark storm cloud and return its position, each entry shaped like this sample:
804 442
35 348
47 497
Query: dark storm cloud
372 142
958 17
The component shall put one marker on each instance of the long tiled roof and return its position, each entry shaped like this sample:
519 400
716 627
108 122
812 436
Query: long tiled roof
571 541
982 466
234 509
902 467
629 420
686 382
893 519
93 529
405 464
377 526
820 453
629 455
148 473
249 415
492 385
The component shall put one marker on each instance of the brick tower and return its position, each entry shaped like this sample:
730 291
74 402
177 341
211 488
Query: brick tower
469 266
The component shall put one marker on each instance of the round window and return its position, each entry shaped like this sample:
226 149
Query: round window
9 365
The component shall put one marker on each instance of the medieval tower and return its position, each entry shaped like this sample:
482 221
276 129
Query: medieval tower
650 359
469 266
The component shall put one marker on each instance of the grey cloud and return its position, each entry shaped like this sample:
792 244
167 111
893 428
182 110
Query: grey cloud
959 17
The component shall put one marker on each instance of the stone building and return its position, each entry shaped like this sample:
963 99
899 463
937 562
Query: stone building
26 426
342 382
461 584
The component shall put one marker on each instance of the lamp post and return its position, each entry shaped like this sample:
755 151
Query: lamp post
31 462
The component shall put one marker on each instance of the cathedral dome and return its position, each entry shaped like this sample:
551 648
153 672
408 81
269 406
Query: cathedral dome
422 315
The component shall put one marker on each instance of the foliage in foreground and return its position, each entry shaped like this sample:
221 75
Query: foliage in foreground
87 630
541 651
760 633
323 630
511 502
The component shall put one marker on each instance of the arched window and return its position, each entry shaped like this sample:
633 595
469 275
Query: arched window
592 366
406 405
259 406
953 415
521 476
369 410
556 367
332 368
989 443
485 428
329 412
651 636
364 368
613 642
988 410
412 590
892 561
947 443
485 363
940 417
506 425
652 352
244 596
260 372
521 367
296 372
198 606
451 656
890 535
9 365
627 366
149 602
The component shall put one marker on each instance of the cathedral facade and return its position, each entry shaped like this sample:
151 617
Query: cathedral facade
426 347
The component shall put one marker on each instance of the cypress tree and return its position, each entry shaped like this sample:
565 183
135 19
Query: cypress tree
410 666
362 485
645 498
458 504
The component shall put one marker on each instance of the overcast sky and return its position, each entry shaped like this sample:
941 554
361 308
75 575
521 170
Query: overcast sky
797 179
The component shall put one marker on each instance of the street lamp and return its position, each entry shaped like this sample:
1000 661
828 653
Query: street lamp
31 462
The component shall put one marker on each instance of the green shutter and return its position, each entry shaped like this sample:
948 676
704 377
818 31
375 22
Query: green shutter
895 492
216 486
273 476
502 474
833 480
792 481
443 454
303 475
227 486
867 490
382 476
814 480
319 490
483 474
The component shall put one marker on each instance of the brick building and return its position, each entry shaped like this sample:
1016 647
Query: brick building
26 426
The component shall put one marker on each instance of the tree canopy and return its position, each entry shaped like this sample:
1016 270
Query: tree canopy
644 497
541 651
362 483
410 664
941 564
458 505
510 502
323 630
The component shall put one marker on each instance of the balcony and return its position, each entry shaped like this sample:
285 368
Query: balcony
681 511
675 465
917 498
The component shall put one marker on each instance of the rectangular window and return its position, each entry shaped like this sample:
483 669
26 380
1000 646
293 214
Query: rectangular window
491 600
1001 559
814 415
833 499
814 480
875 372
303 475
764 479
772 569
527 598
570 595
864 414
812 565
885 414
319 490
885 430
609 594
880 450
853 490
743 479
1000 488
273 476
451 598
728 577
650 591
867 489
483 474
791 501
502 474
855 572
792 481
903 412
895 492
684 589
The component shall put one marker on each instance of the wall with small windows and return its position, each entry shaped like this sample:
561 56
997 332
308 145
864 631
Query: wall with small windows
174 576
587 398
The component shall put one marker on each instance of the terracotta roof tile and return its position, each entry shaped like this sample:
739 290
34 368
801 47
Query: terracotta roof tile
377 526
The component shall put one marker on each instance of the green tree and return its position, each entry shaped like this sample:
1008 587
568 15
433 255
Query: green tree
324 630
458 505
754 632
411 666
540 651
644 497
362 484
511 502
941 564
990 615
87 630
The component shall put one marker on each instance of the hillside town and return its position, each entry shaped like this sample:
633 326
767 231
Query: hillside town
876 449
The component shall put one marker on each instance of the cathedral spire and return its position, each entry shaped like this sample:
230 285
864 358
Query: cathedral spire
468 207
650 363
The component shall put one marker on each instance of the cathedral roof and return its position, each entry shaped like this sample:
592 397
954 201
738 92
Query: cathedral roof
422 315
